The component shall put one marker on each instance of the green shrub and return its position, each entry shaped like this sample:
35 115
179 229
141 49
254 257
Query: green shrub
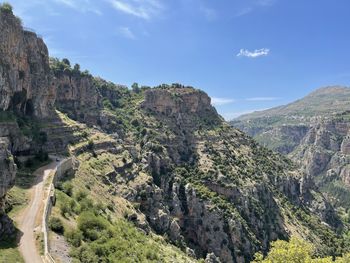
86 204
92 226
67 188
73 236
6 8
107 104
80 195
66 209
55 224
135 123
85 134
85 254
90 145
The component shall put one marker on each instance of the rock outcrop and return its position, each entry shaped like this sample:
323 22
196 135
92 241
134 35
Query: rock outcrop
7 177
25 79
224 198
78 96
324 155
314 132
179 101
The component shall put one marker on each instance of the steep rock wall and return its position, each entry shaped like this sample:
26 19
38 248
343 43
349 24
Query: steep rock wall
25 79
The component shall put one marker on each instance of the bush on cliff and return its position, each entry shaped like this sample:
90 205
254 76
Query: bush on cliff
295 251
55 224
6 8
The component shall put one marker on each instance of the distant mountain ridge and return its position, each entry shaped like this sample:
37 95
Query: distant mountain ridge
313 131
321 102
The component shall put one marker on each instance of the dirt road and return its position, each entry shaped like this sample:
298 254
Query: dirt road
30 222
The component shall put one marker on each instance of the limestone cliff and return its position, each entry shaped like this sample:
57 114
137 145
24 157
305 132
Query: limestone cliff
25 78
210 187
314 132
78 96
324 154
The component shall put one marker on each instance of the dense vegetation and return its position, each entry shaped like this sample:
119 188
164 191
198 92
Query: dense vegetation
59 67
295 251
100 236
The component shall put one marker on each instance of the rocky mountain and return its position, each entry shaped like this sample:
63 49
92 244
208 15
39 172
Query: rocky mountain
25 75
282 128
161 175
313 131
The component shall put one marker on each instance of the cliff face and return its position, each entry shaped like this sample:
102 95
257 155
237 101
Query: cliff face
25 79
78 96
324 154
7 177
26 89
317 140
214 189
179 101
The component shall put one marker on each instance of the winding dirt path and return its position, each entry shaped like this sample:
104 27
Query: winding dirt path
30 220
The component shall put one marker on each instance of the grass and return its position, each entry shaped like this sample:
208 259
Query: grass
9 252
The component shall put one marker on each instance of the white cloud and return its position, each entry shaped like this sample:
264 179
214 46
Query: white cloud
252 5
145 9
69 3
244 11
126 32
266 2
80 5
221 101
262 99
253 54
209 13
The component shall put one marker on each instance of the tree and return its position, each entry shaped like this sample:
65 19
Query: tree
6 8
295 251
77 68
55 224
66 61
135 87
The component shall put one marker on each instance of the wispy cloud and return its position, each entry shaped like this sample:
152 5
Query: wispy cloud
68 3
252 5
126 32
144 9
265 2
80 5
221 101
209 13
262 99
253 54
244 11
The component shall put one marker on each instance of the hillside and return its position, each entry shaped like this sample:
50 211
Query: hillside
159 176
282 128
321 102
317 141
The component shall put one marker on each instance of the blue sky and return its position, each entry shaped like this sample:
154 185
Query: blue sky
246 54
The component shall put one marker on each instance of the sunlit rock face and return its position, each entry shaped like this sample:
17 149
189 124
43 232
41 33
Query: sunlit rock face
25 79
